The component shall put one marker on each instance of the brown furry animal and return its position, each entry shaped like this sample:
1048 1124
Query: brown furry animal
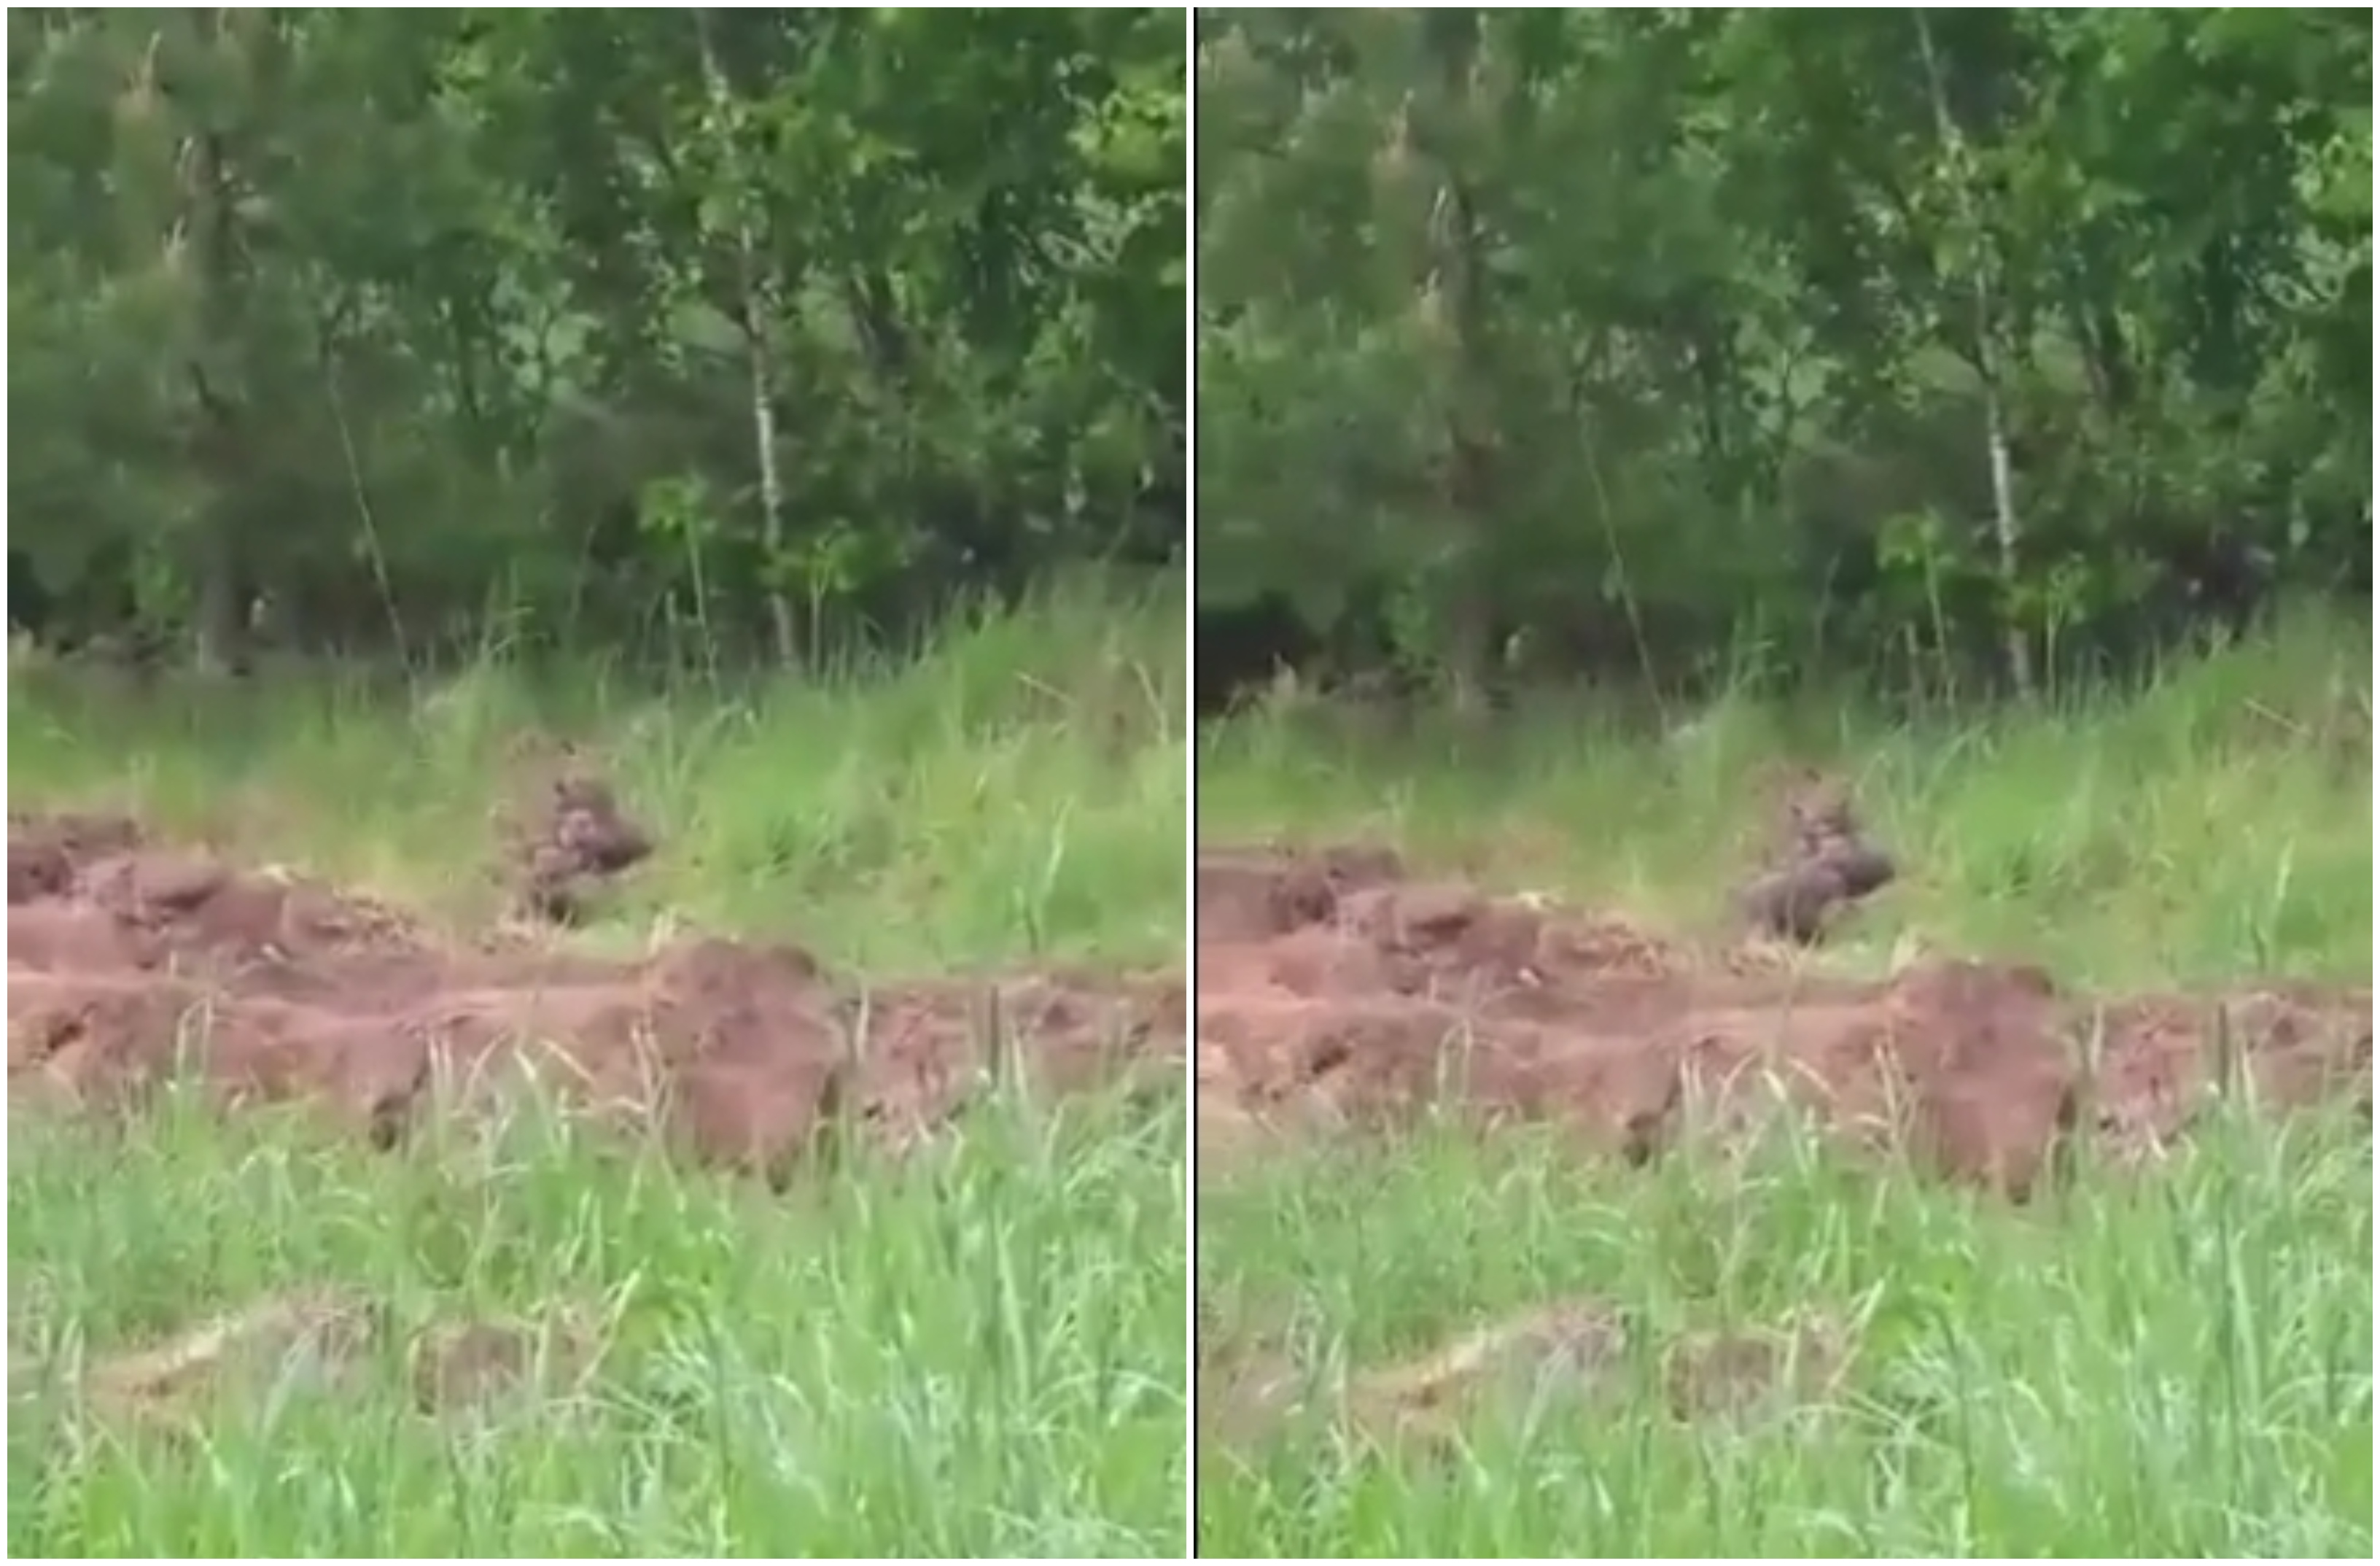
589 824
1863 868
1796 903
583 841
1829 865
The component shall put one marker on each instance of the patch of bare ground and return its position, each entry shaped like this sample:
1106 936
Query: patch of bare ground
1580 1351
327 1340
1335 992
129 961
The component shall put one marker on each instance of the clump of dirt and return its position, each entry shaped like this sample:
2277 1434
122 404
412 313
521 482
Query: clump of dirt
1570 1351
1332 993
325 1338
1800 1362
130 962
467 1362
44 850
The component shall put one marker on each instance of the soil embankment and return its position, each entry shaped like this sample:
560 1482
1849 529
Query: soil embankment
129 961
1335 991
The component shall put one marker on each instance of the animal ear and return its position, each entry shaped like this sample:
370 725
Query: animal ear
1821 791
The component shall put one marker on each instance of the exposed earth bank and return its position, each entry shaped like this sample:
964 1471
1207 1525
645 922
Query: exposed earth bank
1334 991
127 961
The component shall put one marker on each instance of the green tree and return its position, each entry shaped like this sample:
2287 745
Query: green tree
336 327
1670 342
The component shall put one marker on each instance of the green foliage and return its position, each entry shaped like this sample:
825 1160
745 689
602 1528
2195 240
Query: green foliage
2168 1360
976 1351
1665 337
348 328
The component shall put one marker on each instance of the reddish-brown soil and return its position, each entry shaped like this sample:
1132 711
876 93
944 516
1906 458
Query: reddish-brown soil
1333 991
127 962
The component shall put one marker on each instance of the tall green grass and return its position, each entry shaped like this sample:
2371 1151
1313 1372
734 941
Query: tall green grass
2218 821
979 1350
2170 1363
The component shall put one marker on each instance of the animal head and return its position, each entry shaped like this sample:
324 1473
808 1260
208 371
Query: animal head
580 792
1819 811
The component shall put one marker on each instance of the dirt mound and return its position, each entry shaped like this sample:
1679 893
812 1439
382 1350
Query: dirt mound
44 850
1332 993
129 963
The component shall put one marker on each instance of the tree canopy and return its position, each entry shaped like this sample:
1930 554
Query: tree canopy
1759 341
339 327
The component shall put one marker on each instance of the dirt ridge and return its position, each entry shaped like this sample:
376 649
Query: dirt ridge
1333 991
129 960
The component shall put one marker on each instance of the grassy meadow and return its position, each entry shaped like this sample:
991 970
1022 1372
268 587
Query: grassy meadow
977 1351
2178 1363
